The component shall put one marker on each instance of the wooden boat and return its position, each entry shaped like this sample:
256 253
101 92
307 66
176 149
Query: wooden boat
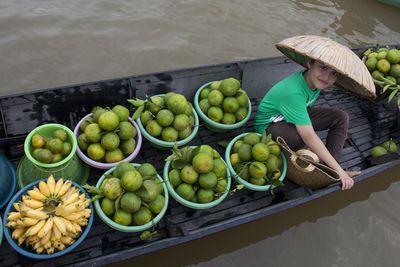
370 124
395 3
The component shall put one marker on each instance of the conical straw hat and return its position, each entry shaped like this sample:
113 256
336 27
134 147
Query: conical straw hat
354 75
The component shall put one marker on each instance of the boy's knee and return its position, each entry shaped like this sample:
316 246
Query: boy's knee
342 117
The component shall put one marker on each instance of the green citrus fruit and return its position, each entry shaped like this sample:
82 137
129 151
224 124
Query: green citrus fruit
186 191
274 148
229 86
381 55
126 130
204 105
130 202
60 134
122 112
383 65
157 204
56 157
221 185
260 152
272 163
393 56
371 63
203 162
85 123
390 146
236 145
93 133
122 217
373 54
241 113
189 109
121 168
156 105
131 180
112 156
215 98
108 121
257 181
234 159
67 148
127 146
219 168
177 103
97 112
147 169
83 142
95 151
184 133
395 70
378 151
252 139
169 134
244 152
230 104
257 169
55 145
181 122
154 128
112 188
215 113
165 117
174 178
142 216
242 98
110 141
145 117
205 195
149 190
189 174
38 141
208 180
228 118
107 206
215 85
204 93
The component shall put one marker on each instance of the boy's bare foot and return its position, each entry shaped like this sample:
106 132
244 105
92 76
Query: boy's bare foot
353 174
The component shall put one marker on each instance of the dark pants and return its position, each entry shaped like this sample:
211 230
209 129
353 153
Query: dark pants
334 120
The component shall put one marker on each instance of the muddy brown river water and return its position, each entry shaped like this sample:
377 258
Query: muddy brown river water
45 44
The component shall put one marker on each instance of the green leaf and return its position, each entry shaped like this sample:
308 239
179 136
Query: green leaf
137 113
392 94
224 143
136 102
385 88
265 138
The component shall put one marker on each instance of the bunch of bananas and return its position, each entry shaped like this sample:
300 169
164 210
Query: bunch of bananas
50 218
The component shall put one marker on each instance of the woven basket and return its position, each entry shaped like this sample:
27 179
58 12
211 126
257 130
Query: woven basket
354 75
304 172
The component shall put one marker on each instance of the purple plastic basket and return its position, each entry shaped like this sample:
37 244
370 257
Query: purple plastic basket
101 165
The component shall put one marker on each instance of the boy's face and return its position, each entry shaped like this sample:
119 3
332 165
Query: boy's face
321 76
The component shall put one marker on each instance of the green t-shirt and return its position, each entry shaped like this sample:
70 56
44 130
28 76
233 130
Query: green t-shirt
287 100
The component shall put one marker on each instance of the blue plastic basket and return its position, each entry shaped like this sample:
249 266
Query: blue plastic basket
8 181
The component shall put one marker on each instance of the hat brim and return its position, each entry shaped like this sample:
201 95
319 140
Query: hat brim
353 74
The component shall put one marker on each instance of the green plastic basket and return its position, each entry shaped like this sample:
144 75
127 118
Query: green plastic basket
163 145
216 126
75 169
244 182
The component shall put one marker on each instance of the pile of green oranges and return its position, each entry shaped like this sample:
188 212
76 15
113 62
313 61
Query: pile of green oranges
198 174
131 195
51 150
384 65
224 101
107 135
256 161
168 117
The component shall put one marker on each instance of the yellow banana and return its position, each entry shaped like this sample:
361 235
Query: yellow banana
35 194
18 232
58 186
16 206
59 245
65 187
50 250
40 250
75 217
51 184
35 214
67 240
56 233
21 240
68 225
34 229
60 225
37 245
27 221
71 198
47 245
33 203
44 189
14 216
82 196
86 213
46 228
46 239
77 227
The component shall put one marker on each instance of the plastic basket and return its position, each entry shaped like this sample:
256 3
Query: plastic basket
216 126
244 182
130 228
163 145
28 252
8 181
103 165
